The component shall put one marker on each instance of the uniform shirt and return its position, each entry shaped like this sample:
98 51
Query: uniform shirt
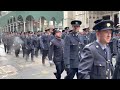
101 45
94 64
56 49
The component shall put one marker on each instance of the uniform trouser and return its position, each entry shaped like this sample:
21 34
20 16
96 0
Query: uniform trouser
17 51
8 48
71 73
59 69
28 51
36 52
44 55
5 47
24 51
40 51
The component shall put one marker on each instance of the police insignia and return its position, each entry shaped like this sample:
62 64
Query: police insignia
97 46
76 22
108 24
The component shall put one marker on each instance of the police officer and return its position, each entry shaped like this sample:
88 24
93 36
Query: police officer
45 43
96 61
113 44
38 42
72 49
17 44
9 42
35 37
23 38
116 74
65 32
86 36
93 33
29 44
56 51
4 40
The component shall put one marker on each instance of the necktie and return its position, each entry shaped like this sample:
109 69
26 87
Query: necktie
105 50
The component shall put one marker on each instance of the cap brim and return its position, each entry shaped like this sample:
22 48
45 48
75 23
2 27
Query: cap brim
75 24
105 29
108 29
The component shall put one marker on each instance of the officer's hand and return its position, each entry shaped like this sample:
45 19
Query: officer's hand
67 68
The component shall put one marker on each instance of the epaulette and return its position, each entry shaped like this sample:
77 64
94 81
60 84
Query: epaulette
88 45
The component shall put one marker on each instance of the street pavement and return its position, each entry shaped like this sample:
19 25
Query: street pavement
12 67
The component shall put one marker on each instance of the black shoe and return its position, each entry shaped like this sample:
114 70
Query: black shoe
55 74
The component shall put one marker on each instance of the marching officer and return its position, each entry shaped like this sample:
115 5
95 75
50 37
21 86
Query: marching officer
116 74
4 40
65 31
96 61
93 33
35 37
72 49
29 44
45 43
56 51
9 42
86 36
38 42
17 44
23 38
114 43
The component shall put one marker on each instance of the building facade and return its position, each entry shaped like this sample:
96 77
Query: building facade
88 17
30 20
39 20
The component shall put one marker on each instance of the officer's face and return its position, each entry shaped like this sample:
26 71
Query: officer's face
51 30
104 36
58 34
76 28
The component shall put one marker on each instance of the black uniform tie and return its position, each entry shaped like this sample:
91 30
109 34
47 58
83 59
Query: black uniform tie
105 50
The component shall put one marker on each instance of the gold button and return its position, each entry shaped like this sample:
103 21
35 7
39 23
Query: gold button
97 46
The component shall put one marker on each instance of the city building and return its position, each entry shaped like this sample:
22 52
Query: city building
39 20
30 20
88 17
